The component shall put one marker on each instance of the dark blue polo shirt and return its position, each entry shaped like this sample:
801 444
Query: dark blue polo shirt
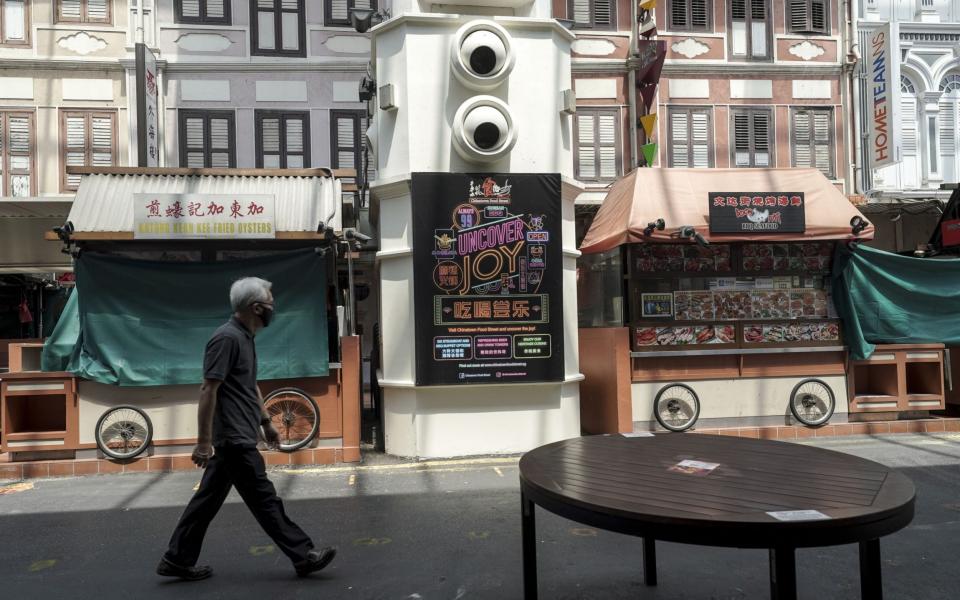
231 358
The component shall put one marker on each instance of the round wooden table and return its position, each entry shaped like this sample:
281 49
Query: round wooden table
717 491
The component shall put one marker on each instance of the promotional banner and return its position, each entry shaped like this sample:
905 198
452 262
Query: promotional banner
882 70
148 120
488 278
739 212
650 59
203 216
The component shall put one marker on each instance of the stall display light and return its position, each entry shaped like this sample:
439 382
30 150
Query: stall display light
658 225
690 232
858 224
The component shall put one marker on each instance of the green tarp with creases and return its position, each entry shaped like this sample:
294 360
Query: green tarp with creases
886 298
141 323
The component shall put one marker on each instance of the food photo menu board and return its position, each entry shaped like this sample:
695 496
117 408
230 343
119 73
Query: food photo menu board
488 278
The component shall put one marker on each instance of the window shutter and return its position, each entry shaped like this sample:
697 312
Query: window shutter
76 147
215 9
101 151
741 139
339 10
220 143
270 142
346 147
801 139
678 14
71 10
700 139
799 15
948 145
908 119
195 155
14 20
821 142
586 146
290 24
761 139
266 32
758 28
699 15
19 152
98 11
607 134
190 9
818 16
680 138
295 143
581 12
603 13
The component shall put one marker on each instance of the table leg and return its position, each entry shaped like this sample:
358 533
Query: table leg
529 534
783 574
649 561
871 584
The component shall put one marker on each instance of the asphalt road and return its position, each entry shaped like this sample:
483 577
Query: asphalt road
445 530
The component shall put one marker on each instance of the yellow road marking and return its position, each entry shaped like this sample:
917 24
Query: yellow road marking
478 535
498 471
16 487
427 464
372 541
196 487
353 479
583 532
40 565
261 550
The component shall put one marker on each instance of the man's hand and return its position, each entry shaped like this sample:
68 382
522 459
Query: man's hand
202 454
271 436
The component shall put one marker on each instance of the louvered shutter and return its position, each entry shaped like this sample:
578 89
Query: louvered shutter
586 146
194 152
220 134
290 24
345 141
680 139
270 142
607 137
580 12
215 9
699 15
70 10
295 142
700 139
758 28
801 139
738 15
822 148
75 154
339 11
17 148
101 148
266 20
190 9
761 139
908 120
603 13
799 16
678 14
948 135
741 139
98 11
13 20
819 11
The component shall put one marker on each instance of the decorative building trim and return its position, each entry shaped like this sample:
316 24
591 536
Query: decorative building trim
348 44
807 50
82 43
690 47
203 42
593 47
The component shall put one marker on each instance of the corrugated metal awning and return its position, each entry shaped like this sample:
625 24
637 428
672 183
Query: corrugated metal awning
104 201
25 208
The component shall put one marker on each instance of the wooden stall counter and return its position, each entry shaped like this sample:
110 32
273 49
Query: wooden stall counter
898 378
39 412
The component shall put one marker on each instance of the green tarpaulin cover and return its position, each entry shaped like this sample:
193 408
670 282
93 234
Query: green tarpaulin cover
140 323
886 298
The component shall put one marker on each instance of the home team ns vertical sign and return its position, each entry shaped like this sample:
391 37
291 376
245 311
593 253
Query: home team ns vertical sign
488 278
882 69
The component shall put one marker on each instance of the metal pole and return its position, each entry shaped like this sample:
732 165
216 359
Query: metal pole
350 308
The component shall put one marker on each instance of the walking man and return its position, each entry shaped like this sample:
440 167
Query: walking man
230 417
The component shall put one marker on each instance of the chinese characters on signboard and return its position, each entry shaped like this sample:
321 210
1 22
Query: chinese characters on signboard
760 213
487 278
148 143
203 216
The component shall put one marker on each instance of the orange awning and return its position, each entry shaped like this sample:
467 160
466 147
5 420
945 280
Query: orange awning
680 198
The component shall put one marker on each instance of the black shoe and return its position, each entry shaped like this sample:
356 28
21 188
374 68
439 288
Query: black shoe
168 569
316 560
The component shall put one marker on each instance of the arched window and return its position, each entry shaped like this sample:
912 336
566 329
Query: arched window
906 86
948 118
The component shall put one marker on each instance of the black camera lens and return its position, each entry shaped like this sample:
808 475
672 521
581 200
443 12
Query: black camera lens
483 60
486 136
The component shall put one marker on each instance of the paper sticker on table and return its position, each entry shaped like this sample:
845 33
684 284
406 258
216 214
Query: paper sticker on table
694 467
798 515
636 434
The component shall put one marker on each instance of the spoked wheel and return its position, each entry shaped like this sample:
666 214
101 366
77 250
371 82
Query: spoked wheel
812 402
123 432
294 415
676 407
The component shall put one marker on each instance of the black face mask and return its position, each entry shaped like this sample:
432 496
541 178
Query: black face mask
266 314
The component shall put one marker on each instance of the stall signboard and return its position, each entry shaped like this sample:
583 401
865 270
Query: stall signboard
488 278
757 213
148 115
203 216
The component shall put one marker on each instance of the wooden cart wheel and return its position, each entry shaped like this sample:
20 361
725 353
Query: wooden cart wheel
295 416
812 402
676 407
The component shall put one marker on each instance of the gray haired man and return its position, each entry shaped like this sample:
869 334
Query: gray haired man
230 417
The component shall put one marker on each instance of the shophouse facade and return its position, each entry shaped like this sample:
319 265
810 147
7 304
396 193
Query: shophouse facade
905 198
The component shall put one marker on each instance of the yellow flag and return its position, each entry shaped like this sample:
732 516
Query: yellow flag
649 123
648 5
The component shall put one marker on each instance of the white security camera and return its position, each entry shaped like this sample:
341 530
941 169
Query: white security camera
484 129
482 55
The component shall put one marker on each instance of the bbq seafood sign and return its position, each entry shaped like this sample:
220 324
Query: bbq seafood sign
765 213
487 278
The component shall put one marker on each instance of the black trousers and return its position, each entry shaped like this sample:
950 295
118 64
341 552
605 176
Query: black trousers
243 468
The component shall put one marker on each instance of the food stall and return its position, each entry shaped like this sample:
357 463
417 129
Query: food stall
726 298
155 251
